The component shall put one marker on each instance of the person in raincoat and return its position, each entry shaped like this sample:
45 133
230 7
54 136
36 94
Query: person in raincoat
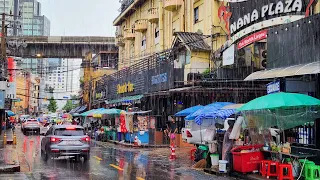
227 142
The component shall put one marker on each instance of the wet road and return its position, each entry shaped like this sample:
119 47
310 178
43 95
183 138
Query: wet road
106 162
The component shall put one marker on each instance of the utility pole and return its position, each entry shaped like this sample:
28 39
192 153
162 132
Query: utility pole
3 61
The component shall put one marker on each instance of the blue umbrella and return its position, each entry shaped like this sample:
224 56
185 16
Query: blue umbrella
188 111
10 113
222 114
207 109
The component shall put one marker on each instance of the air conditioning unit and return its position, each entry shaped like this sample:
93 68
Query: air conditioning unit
243 57
260 57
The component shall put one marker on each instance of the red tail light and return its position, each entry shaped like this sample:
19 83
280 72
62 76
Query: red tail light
70 128
85 139
188 133
55 140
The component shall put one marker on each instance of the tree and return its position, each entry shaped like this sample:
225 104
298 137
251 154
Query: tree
70 103
69 106
52 107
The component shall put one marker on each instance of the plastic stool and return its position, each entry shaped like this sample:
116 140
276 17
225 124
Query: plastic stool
288 175
275 166
192 151
313 172
305 169
264 164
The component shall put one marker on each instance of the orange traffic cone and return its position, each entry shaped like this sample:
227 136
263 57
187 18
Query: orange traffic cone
173 153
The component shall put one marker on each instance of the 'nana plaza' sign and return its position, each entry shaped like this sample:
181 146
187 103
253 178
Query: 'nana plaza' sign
125 88
243 18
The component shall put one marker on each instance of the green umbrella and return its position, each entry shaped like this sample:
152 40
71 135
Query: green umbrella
87 112
110 111
280 100
284 110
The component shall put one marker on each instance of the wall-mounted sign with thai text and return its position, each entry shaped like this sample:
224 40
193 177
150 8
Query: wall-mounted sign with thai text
253 38
160 78
125 88
240 18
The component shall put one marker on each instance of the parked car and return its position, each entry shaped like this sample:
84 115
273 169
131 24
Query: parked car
65 140
194 133
30 125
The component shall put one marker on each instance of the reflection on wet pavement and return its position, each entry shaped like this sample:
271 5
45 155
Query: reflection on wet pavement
109 162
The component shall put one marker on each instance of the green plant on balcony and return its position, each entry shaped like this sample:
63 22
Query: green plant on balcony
206 73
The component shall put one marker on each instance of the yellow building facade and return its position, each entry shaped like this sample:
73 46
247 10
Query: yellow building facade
94 70
148 27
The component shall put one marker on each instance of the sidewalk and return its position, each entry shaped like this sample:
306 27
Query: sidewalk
9 160
131 145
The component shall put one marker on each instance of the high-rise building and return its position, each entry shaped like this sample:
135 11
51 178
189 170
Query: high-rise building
9 7
65 80
33 23
6 6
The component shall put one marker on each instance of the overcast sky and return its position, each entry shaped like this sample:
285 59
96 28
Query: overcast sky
81 17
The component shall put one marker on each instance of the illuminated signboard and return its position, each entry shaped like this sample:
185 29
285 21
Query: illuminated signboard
243 18
125 88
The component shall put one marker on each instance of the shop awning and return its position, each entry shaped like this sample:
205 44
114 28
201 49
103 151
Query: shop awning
75 109
302 69
125 99
183 89
81 109
192 41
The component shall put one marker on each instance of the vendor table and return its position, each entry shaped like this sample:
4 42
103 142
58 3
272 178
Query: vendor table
292 155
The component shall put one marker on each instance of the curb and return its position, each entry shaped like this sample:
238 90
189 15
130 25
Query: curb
245 176
10 168
141 146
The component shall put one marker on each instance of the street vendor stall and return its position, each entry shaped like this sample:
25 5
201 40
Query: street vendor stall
137 125
108 118
279 111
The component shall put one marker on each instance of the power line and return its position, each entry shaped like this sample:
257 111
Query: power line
39 98
48 91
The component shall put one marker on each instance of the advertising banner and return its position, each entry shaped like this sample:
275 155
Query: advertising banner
2 99
253 38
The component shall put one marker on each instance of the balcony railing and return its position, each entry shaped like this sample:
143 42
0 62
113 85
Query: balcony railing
153 15
119 41
141 25
129 34
172 5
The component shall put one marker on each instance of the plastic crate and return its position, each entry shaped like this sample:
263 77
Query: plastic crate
246 162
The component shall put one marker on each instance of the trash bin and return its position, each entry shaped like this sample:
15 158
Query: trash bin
247 161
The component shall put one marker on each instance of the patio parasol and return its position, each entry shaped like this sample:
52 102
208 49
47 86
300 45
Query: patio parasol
207 109
67 115
188 111
285 110
102 112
